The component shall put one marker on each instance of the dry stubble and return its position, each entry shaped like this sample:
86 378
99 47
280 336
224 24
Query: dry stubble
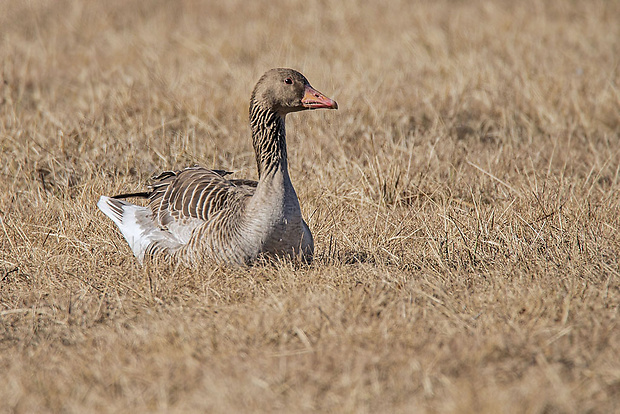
464 201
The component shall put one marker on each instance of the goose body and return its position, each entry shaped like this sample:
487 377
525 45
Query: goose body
198 214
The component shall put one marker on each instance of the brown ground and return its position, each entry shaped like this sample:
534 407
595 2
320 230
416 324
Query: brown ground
465 202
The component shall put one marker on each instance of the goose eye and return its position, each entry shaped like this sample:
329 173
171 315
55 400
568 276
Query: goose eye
288 81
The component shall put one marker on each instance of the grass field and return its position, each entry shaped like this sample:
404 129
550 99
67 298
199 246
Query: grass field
465 203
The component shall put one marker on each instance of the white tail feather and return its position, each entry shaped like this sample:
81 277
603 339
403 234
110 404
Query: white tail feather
136 225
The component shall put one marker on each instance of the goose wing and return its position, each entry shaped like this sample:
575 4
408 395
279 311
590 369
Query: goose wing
182 200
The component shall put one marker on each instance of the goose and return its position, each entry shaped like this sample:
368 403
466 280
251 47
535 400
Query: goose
198 214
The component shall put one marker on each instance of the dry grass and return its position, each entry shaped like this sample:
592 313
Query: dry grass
465 202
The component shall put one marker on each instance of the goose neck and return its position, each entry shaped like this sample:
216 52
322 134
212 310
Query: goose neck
269 140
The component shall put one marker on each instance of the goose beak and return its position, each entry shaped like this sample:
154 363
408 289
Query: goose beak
314 99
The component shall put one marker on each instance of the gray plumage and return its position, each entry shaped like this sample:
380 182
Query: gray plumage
198 214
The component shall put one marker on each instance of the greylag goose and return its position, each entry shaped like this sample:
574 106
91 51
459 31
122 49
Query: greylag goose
198 214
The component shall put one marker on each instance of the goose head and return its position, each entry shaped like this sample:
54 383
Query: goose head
285 90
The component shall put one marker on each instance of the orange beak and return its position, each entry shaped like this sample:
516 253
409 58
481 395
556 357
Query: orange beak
314 99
